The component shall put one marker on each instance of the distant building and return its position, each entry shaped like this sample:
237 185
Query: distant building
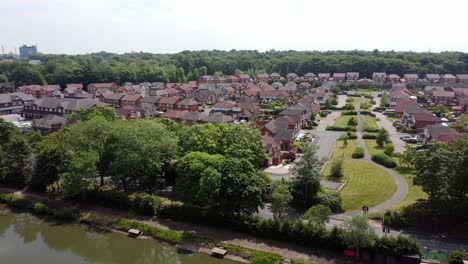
27 51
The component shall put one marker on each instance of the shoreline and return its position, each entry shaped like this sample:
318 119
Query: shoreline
113 223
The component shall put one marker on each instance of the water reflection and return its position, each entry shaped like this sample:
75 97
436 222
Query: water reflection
25 238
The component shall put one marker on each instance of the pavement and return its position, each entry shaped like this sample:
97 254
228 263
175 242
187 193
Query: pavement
341 100
400 145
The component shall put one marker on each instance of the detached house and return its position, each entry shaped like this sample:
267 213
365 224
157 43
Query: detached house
188 105
275 76
323 77
393 78
339 77
94 87
379 77
309 76
284 129
111 98
411 78
352 76
291 76
439 133
448 79
130 100
432 77
419 118
443 97
166 103
462 78
12 103
263 77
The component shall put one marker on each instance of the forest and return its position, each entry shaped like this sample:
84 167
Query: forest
190 65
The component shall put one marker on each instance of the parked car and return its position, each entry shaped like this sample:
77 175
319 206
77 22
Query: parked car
405 137
412 140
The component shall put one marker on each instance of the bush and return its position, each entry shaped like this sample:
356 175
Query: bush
145 204
395 219
336 170
389 149
358 153
17 201
369 136
349 100
384 160
330 199
335 128
65 214
352 122
109 198
40 208
349 113
455 257
370 129
318 213
265 258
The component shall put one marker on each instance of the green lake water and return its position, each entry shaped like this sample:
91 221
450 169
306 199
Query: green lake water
26 239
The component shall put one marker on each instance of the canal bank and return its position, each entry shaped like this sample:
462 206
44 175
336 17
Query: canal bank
184 237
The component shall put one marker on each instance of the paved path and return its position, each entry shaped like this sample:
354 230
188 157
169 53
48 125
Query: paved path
402 186
341 100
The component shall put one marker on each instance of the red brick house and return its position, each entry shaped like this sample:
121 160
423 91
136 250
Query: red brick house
175 115
443 97
352 76
39 91
323 77
94 87
339 77
232 79
189 105
393 78
273 148
130 100
263 77
206 79
448 79
166 103
111 98
439 133
462 78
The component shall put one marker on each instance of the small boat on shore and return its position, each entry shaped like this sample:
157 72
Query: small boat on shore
134 233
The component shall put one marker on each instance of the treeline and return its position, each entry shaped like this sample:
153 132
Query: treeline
190 65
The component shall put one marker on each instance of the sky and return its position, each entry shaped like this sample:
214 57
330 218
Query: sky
169 26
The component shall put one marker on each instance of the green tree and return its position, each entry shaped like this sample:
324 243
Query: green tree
307 174
382 137
142 151
318 214
81 171
25 75
455 257
280 198
358 233
384 100
336 170
389 149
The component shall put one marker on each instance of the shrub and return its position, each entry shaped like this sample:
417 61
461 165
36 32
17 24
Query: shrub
352 122
370 129
369 136
265 258
389 149
40 208
18 202
455 257
145 204
384 160
358 153
395 219
348 100
336 170
65 214
318 213
330 199
109 198
349 113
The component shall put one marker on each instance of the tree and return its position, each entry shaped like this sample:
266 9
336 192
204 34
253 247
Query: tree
25 75
384 100
382 137
336 170
243 188
442 172
389 149
198 179
407 158
81 170
108 113
51 161
357 233
307 175
318 214
327 104
141 152
281 197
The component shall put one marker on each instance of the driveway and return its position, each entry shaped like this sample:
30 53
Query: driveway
341 100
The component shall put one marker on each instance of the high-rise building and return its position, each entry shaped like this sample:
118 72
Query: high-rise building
27 51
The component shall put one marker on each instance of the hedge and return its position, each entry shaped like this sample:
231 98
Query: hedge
358 153
336 128
384 160
369 136
370 129
349 113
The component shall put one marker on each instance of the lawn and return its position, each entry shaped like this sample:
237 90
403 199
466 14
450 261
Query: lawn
356 100
370 122
367 184
342 121
415 193
345 152
373 149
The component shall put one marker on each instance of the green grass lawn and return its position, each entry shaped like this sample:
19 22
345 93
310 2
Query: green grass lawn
363 91
370 122
342 121
356 100
345 152
415 193
367 184
374 149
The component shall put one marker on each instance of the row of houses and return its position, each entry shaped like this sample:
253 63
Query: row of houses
414 115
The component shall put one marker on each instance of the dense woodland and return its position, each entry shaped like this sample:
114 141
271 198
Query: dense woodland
190 65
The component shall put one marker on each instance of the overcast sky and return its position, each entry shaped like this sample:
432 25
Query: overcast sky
168 26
